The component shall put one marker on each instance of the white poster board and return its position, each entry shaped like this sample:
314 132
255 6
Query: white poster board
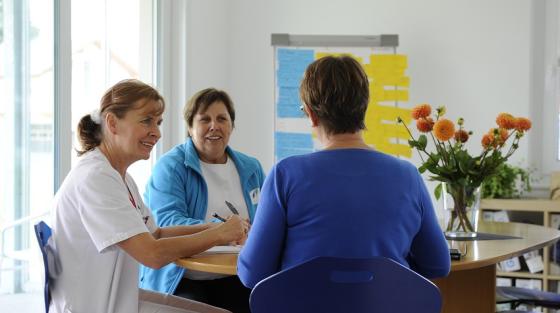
388 86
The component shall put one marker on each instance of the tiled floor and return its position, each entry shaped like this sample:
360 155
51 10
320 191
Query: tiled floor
22 303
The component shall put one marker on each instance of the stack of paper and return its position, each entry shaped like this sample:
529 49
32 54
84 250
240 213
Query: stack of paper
223 249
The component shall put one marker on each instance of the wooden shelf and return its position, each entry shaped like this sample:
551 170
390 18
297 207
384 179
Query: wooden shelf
520 275
527 205
545 207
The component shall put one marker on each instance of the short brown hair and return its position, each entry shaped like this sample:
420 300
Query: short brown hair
336 89
203 99
119 99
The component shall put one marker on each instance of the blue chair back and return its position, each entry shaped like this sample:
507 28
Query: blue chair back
328 284
43 233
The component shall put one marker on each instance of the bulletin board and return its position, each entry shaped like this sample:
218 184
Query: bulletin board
388 85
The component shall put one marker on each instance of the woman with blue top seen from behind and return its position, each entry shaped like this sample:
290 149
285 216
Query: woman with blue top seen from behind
195 180
346 200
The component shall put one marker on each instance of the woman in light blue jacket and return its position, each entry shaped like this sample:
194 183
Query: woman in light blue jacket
192 182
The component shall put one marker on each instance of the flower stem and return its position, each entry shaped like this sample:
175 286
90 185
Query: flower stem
411 136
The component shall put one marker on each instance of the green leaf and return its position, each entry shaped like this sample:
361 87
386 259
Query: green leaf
437 191
463 167
505 181
422 142
440 179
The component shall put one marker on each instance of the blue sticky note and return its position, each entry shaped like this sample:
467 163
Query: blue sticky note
291 66
288 144
288 103
293 56
286 78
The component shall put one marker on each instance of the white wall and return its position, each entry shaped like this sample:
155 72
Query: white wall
208 45
472 56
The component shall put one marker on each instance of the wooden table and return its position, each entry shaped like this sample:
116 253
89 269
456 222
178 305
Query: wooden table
470 287
223 263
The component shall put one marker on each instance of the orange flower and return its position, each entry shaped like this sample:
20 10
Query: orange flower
501 133
487 140
425 125
522 124
444 129
421 111
506 120
504 134
461 136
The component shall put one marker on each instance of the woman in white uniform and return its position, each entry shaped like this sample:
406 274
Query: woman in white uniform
102 229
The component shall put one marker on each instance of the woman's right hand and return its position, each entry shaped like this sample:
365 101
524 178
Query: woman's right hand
234 229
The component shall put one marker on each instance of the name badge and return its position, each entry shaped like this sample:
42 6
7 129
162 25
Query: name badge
255 194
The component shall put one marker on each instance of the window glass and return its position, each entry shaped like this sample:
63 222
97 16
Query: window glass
26 120
111 40
545 80
115 49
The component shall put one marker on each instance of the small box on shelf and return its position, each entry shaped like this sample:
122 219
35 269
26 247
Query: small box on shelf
534 261
510 265
495 216
504 282
528 283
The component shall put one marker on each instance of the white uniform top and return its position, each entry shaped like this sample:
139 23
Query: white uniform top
93 213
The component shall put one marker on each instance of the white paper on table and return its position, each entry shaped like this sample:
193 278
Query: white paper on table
222 250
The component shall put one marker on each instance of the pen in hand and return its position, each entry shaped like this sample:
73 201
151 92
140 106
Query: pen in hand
215 215
232 208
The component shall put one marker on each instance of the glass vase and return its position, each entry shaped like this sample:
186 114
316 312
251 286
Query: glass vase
462 209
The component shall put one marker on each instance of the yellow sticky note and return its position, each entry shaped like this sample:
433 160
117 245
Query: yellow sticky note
380 94
393 80
395 95
383 129
388 60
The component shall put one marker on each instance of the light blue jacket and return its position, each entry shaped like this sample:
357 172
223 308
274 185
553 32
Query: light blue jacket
178 195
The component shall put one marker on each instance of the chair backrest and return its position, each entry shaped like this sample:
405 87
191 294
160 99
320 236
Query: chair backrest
43 233
328 284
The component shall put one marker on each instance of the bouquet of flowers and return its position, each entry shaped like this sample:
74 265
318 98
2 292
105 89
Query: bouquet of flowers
452 164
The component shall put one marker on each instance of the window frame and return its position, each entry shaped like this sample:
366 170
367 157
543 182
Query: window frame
63 90
171 76
545 88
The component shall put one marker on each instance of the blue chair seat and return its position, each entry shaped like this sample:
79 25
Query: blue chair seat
328 284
